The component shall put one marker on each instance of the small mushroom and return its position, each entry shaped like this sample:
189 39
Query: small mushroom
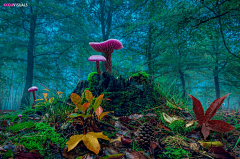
97 58
20 115
33 89
107 47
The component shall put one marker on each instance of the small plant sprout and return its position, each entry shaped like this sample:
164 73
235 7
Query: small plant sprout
20 115
33 89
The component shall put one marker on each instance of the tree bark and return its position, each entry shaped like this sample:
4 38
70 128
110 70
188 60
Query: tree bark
30 62
216 82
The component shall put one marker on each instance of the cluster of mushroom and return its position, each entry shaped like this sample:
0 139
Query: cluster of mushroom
106 47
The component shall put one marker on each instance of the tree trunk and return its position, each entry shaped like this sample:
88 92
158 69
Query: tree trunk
30 62
216 82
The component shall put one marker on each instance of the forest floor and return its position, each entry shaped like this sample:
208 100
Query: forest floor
21 141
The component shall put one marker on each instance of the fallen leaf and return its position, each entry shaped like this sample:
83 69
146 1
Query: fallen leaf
89 140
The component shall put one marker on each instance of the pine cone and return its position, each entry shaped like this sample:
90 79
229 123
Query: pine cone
146 135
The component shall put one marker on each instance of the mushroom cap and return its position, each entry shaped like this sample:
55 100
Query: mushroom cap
95 58
107 46
20 115
33 88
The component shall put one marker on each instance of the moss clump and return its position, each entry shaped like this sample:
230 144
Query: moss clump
143 74
34 141
91 80
20 126
178 126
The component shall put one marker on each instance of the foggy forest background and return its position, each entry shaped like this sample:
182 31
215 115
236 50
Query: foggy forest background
191 44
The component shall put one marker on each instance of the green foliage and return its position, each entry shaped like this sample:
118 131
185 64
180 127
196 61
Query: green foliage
29 111
41 109
20 126
174 153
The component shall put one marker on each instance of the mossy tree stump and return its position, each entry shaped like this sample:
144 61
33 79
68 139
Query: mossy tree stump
126 96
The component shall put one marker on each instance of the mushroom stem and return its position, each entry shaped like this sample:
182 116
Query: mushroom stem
108 63
98 68
34 98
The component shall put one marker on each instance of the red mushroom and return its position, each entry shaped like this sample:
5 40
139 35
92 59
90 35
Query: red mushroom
107 47
97 58
33 89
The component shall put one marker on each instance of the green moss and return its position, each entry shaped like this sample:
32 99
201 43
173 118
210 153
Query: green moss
91 80
90 76
34 141
144 74
20 126
178 125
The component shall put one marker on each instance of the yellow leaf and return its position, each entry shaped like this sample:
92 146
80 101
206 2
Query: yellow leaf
105 113
89 96
39 99
51 99
99 135
211 144
45 96
92 143
73 141
76 99
89 140
46 89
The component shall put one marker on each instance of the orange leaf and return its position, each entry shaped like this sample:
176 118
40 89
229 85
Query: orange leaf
51 99
99 111
85 106
45 96
211 111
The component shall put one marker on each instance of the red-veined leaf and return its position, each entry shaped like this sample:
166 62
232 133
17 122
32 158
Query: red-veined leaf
89 96
198 110
219 126
205 131
85 106
98 102
211 111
